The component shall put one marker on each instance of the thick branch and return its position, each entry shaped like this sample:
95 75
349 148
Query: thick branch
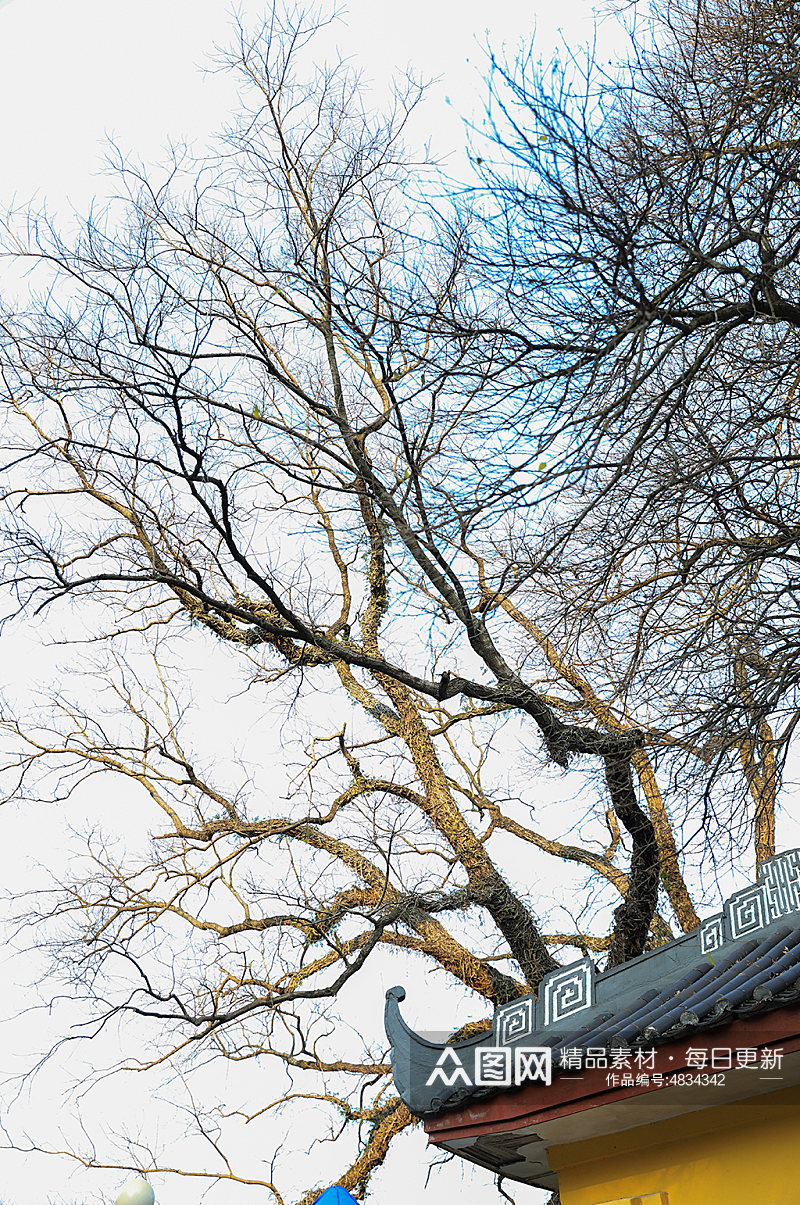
633 917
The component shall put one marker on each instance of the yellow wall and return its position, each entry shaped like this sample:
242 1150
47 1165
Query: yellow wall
737 1154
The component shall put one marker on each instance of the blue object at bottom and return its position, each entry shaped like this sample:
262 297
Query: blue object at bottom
336 1196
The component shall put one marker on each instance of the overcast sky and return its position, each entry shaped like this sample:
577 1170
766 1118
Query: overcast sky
71 75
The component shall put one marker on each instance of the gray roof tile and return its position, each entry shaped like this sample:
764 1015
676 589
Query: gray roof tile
677 990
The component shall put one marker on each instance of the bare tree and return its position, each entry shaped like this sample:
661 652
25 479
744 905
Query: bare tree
646 240
272 402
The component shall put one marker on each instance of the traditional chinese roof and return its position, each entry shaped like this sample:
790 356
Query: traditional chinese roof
741 962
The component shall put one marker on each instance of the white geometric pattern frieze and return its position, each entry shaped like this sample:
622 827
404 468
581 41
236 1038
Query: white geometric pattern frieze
776 894
780 877
514 1021
570 990
712 933
747 911
567 991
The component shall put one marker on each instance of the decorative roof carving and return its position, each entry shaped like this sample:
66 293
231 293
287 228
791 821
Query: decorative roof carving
745 959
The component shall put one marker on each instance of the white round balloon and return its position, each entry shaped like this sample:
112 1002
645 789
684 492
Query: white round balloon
136 1192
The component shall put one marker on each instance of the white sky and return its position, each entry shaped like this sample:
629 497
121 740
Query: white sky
70 75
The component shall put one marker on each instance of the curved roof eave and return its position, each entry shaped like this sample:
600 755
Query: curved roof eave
415 1059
